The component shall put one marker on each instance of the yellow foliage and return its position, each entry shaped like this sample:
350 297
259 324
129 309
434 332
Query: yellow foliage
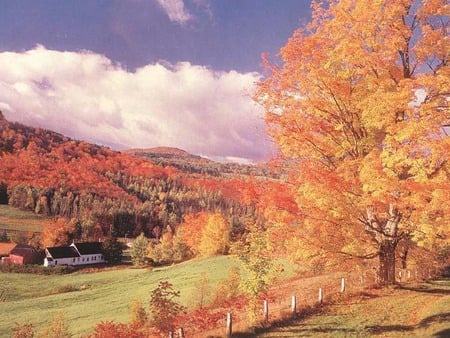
358 106
215 236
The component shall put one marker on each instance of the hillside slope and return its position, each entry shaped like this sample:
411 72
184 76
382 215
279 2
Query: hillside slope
189 163
415 310
101 189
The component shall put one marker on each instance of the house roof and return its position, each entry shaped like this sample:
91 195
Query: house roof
23 250
89 248
63 252
5 248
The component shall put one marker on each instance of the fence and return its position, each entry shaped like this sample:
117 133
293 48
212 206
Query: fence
294 299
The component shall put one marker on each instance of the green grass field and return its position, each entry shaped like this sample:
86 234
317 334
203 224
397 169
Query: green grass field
16 219
416 310
100 296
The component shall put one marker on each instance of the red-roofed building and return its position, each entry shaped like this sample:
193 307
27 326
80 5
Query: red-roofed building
24 254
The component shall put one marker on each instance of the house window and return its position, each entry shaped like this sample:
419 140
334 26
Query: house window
56 262
73 260
83 259
88 259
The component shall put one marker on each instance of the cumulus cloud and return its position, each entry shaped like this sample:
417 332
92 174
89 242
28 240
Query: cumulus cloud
175 10
86 96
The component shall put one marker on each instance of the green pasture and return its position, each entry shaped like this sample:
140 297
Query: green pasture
88 298
414 310
16 219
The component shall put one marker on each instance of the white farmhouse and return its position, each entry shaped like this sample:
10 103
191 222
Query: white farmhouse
74 254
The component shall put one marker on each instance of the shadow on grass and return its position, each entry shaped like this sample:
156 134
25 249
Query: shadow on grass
424 323
294 326
293 323
284 322
442 334
430 287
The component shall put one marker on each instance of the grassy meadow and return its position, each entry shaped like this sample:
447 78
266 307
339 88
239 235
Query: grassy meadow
16 219
88 298
414 310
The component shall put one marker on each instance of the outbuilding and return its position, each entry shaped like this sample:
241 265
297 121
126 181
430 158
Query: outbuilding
74 254
24 254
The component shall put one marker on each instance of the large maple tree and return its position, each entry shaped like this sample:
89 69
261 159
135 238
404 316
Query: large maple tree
359 104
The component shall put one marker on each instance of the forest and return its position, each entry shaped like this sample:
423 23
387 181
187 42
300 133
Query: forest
101 190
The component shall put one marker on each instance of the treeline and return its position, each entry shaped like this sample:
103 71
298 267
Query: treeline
152 207
102 190
192 164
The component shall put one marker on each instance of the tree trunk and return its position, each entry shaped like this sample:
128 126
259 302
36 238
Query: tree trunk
404 257
387 262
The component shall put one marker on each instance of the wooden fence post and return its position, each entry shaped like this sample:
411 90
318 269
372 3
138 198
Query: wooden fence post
229 325
180 333
293 305
320 295
342 285
266 311
170 334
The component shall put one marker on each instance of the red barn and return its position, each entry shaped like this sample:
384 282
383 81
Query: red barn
24 254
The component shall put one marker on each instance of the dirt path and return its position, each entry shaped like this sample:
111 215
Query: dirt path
414 310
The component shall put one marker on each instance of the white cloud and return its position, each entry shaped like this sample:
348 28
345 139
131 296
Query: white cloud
85 96
175 10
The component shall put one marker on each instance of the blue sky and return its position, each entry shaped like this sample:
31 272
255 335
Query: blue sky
166 72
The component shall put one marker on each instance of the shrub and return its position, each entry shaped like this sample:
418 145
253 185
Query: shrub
164 309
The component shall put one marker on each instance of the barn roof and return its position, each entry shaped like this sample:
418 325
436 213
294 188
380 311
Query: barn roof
5 248
89 248
23 250
63 252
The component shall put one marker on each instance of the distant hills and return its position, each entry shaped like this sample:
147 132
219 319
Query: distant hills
167 152
194 164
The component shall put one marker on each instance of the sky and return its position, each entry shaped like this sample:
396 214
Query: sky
145 73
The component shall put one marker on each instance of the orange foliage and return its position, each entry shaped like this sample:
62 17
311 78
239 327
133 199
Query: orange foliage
57 233
192 229
358 107
108 329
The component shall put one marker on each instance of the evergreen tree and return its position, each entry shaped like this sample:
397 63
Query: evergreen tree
112 250
139 250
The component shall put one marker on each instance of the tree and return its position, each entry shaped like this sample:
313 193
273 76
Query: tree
139 250
358 105
24 330
58 232
137 313
215 237
255 253
229 288
202 292
112 250
108 329
164 309
192 228
57 328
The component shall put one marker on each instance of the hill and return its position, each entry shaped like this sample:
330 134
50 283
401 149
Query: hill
194 164
413 310
168 152
81 295
102 190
